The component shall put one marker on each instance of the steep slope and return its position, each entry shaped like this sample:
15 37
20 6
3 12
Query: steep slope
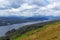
48 32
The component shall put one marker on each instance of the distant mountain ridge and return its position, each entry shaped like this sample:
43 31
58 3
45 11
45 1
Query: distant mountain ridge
21 19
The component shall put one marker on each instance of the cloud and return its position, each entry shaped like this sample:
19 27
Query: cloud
23 7
4 4
24 10
37 2
8 4
29 8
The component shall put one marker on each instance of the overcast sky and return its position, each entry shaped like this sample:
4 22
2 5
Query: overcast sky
29 7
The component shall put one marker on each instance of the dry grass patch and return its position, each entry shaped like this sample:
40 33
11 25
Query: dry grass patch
48 32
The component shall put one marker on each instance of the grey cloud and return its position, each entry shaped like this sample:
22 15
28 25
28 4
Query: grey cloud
18 3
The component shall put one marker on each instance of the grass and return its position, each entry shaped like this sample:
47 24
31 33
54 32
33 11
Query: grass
48 32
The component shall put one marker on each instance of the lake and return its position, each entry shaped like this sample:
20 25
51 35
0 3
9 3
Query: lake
4 29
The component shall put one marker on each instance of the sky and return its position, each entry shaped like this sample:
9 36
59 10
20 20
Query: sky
29 8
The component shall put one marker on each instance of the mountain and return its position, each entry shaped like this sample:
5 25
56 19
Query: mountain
37 18
21 19
42 17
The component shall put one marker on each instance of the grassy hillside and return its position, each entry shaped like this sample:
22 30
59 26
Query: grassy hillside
48 32
41 31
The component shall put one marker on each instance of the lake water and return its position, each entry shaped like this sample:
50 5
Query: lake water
4 29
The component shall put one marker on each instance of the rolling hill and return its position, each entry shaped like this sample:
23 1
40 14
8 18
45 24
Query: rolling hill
41 31
48 32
